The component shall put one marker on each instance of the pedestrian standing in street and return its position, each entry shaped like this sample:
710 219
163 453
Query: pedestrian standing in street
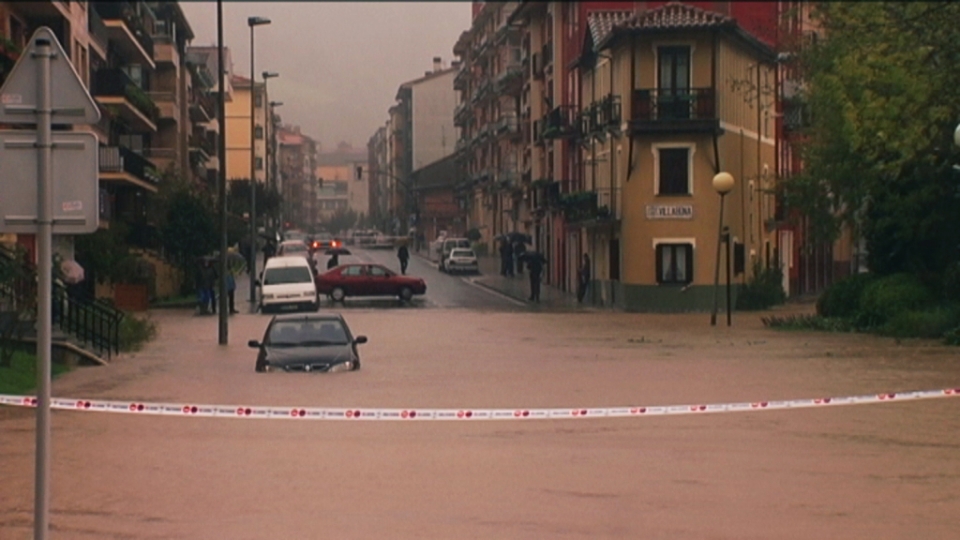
583 278
506 258
208 276
404 255
519 250
231 290
535 262
202 301
333 261
269 250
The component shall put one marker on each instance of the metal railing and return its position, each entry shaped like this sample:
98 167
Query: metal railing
128 12
114 82
561 122
651 105
93 322
122 159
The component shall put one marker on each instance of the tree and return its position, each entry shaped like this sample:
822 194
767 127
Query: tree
884 102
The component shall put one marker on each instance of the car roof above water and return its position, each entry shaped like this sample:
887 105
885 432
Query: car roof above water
309 317
285 262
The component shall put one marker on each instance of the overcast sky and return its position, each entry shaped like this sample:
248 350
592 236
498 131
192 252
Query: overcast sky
340 63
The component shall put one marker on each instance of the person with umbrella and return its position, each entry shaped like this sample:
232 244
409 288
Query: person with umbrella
535 262
519 249
404 255
506 257
583 278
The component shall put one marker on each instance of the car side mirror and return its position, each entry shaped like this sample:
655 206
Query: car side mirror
254 344
360 340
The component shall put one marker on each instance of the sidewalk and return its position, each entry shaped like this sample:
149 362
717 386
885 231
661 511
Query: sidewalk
518 287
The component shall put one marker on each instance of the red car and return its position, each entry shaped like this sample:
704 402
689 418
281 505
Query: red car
367 280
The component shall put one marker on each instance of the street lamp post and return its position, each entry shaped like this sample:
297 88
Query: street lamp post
266 125
275 167
222 326
253 22
722 184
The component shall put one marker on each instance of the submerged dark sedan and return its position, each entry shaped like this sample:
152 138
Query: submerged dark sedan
308 342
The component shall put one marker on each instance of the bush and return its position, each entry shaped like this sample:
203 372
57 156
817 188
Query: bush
808 322
134 332
931 324
842 299
765 289
887 297
952 337
951 283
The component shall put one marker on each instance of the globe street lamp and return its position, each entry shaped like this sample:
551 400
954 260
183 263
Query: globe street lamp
722 184
253 22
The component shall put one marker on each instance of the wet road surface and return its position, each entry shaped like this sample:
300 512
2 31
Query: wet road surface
886 471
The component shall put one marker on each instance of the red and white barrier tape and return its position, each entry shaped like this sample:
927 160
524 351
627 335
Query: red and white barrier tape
322 413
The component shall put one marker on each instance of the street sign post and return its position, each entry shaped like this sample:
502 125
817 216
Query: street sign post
43 86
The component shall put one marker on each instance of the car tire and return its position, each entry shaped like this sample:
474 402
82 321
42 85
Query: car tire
406 294
356 366
338 294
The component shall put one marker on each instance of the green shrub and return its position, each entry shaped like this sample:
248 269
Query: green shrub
951 284
932 323
808 322
764 290
135 331
952 337
842 299
885 298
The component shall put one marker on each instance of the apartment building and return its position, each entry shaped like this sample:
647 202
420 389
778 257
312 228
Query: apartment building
490 146
343 182
237 124
297 161
419 131
377 163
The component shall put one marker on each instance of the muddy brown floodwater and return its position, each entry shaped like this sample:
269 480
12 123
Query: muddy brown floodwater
885 471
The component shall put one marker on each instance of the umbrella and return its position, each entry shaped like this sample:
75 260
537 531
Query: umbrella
235 261
531 256
520 237
337 251
72 272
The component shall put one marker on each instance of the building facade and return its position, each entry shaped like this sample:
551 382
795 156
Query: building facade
344 182
296 161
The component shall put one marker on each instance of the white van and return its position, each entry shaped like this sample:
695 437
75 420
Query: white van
449 244
287 281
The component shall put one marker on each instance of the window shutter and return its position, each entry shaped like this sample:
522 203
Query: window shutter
689 249
659 263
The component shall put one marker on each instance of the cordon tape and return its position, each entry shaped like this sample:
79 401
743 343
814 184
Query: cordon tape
414 414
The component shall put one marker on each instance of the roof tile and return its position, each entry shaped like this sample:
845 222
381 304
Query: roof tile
675 15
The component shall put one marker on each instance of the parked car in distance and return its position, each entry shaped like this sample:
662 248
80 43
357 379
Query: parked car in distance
296 248
364 238
311 342
294 234
461 260
286 282
448 245
324 241
368 280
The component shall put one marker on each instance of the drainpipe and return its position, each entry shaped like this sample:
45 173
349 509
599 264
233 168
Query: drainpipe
633 87
713 86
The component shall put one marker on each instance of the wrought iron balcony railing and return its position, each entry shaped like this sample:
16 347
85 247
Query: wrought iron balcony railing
653 105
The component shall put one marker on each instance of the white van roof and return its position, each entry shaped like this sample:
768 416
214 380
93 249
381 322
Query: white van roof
286 262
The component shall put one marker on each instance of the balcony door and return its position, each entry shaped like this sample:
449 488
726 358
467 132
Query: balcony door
673 85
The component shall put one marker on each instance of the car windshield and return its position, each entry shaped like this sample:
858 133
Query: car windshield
291 274
462 253
307 333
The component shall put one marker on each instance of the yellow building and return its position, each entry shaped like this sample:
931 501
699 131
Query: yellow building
669 99
238 130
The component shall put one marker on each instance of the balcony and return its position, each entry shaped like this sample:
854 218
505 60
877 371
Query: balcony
126 29
168 106
601 116
161 158
508 126
99 35
43 10
114 90
592 208
796 115
165 50
460 115
203 107
691 110
510 81
560 123
484 89
508 178
461 78
122 165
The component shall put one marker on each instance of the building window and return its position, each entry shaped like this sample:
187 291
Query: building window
258 132
258 163
674 171
674 264
258 100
